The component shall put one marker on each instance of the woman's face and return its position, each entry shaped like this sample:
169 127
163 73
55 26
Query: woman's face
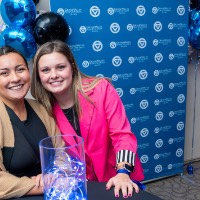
55 73
14 78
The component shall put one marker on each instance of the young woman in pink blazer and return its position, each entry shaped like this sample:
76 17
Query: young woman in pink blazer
90 107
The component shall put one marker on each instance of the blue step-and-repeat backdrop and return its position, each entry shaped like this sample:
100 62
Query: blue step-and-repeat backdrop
142 46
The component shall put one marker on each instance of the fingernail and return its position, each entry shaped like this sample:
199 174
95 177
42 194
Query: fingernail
130 195
125 196
116 195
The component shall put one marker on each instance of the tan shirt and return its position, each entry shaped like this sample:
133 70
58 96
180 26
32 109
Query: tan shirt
10 185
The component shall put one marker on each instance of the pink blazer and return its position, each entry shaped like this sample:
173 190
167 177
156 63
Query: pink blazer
105 129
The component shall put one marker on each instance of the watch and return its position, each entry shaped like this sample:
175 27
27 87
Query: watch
126 167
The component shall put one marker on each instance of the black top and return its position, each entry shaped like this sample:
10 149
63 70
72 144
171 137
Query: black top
72 116
24 159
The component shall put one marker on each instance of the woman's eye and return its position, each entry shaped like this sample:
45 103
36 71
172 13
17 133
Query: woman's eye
61 67
45 70
4 73
21 69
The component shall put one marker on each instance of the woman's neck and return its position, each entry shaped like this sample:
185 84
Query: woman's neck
18 108
65 100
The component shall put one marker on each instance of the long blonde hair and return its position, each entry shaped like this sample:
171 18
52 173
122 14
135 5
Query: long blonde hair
80 81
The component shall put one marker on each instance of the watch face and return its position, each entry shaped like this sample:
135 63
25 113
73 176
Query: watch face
128 168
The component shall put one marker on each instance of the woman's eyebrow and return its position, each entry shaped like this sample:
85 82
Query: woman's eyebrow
7 68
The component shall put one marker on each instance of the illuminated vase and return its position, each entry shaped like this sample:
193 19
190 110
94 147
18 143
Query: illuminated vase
63 167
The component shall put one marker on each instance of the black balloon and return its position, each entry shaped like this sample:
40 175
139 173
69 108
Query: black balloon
50 26
194 4
36 1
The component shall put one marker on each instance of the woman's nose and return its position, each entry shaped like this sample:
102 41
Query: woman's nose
15 77
53 74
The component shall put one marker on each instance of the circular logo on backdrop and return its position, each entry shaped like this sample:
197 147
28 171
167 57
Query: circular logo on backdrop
155 42
171 86
111 11
156 102
180 126
144 104
158 168
157 130
94 11
171 141
85 64
140 10
179 152
159 143
156 156
159 116
82 29
159 87
100 75
171 56
129 27
61 11
119 92
170 166
171 113
158 57
132 91
181 98
70 30
131 60
116 61
114 28
170 26
133 120
181 70
144 159
154 10
181 10
142 43
144 132
181 41
97 46
114 77
143 74
156 73
113 45
157 26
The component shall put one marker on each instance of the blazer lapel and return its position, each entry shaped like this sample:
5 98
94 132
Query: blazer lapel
87 111
85 120
62 122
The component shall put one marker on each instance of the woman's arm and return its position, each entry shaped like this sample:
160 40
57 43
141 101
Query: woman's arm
12 186
123 141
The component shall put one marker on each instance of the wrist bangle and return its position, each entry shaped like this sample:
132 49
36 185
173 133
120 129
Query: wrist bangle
124 171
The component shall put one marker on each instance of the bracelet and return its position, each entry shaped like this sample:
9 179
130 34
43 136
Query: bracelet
124 171
140 185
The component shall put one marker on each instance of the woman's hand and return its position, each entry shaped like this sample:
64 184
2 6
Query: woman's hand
38 180
122 182
39 186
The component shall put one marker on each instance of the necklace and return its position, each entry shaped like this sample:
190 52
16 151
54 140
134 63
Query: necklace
67 110
72 117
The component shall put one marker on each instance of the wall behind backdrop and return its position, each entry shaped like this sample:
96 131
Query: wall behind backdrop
142 46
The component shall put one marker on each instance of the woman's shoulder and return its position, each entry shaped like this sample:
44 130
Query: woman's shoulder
36 105
33 102
104 84
96 82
